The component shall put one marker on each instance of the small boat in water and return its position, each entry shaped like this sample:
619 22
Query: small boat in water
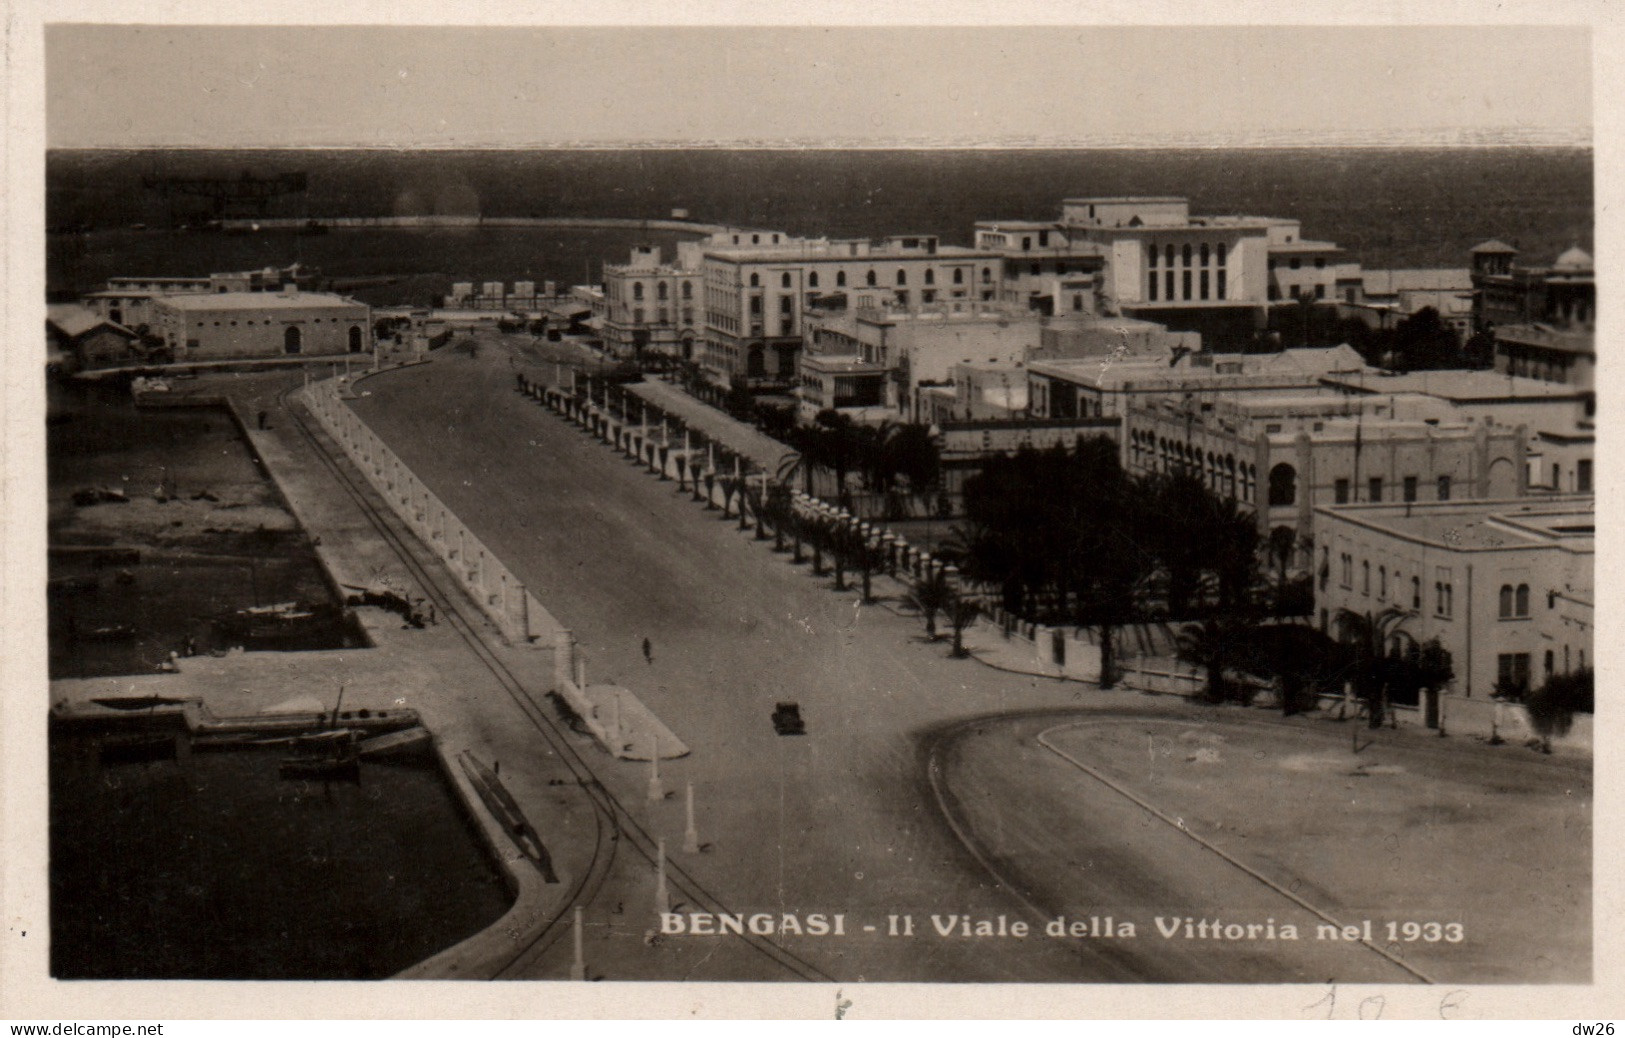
109 633
140 702
506 811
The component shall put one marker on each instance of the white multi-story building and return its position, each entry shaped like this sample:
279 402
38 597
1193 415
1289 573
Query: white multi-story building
1283 454
755 297
1506 586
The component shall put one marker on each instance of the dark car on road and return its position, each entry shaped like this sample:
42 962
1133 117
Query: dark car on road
787 719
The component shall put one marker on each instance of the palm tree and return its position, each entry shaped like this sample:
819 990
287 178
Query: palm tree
778 508
1368 636
930 594
962 612
869 558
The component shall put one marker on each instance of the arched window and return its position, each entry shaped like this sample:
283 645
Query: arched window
1204 254
755 281
1185 255
959 275
355 338
1168 254
688 290
902 276
661 291
637 291
1219 249
784 280
1416 592
987 275
1382 583
869 278
1365 577
1283 485
292 339
930 276
840 279
1506 601
1521 605
812 279
1153 256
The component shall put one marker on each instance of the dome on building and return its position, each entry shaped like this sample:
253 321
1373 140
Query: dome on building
1575 258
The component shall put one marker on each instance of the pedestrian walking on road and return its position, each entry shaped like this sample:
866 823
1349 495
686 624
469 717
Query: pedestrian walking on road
648 652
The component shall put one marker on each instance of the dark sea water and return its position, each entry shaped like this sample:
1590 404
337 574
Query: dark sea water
1389 207
211 866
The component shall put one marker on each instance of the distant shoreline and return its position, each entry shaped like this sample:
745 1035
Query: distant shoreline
850 146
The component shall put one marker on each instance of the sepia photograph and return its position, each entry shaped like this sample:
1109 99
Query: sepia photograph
1027 502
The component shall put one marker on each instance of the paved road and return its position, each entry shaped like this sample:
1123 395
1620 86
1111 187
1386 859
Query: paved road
841 820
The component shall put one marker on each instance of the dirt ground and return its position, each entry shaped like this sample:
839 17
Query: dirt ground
208 533
1496 839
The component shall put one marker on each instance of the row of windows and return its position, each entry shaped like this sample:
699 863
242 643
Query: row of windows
314 320
661 290
1219 286
1301 292
1223 475
1295 263
1444 592
1202 254
663 316
870 277
1375 488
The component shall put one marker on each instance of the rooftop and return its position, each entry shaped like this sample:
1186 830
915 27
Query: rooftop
1123 199
841 252
258 301
1566 340
1454 385
1567 522
1306 245
73 320
1493 245
1019 225
1288 368
1390 282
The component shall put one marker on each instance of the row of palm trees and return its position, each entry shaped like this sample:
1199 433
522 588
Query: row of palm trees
890 456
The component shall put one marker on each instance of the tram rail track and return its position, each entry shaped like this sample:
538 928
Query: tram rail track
614 821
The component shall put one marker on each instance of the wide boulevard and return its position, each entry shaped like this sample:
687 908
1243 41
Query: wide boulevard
844 819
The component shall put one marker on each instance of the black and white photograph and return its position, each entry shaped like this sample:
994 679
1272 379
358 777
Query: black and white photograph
1056 500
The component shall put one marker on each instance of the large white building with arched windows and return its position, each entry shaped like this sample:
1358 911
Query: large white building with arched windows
1283 455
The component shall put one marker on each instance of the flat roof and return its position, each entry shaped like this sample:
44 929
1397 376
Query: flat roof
1561 339
824 253
844 364
1418 279
1303 245
257 301
1455 385
1022 225
1565 521
1124 199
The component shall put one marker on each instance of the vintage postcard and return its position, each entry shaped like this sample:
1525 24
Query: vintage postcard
1034 510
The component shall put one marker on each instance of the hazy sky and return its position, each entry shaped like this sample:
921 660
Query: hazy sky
225 86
